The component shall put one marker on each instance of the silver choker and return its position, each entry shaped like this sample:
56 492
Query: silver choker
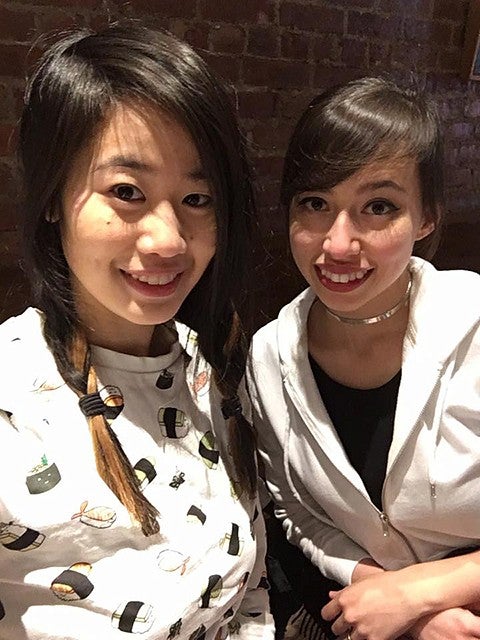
374 319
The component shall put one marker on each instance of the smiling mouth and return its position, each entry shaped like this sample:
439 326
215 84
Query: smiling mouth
343 278
155 280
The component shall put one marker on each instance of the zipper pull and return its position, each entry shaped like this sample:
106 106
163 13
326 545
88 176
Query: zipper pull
385 523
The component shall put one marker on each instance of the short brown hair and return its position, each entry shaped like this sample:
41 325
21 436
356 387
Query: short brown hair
353 124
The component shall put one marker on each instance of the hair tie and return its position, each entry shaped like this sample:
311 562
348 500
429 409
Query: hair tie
91 404
231 407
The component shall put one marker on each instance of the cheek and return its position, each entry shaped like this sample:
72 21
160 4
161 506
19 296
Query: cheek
305 244
393 242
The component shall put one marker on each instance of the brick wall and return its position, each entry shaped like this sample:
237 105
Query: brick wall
276 54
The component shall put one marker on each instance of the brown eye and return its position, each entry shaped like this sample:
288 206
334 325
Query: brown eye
128 193
197 200
380 207
312 203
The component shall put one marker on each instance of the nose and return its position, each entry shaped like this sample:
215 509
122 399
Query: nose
161 232
341 241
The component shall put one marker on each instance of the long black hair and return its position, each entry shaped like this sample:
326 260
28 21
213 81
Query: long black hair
74 86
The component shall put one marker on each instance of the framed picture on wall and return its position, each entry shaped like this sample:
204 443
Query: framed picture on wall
471 48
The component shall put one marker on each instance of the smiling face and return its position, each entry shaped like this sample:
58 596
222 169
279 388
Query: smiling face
138 227
353 242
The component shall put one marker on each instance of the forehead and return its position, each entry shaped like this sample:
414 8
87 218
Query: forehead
403 168
145 133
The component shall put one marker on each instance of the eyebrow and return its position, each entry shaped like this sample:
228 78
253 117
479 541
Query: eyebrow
130 162
381 184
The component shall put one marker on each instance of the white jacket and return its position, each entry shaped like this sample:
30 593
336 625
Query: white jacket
431 492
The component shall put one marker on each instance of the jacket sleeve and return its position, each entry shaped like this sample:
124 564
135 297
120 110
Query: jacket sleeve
253 618
305 522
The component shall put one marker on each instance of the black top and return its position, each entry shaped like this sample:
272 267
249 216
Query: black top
363 419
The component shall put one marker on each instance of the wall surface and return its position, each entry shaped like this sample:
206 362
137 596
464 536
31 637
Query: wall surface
276 54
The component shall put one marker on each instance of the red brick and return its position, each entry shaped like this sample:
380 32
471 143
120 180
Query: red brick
65 4
268 168
7 139
326 48
472 110
417 8
227 67
275 73
195 33
428 31
455 10
170 8
459 177
59 20
359 4
227 38
318 18
465 154
461 130
7 103
248 11
9 215
416 58
449 60
258 104
325 77
458 35
292 104
18 26
10 247
263 41
267 193
15 59
270 139
379 55
354 52
372 25
8 181
294 45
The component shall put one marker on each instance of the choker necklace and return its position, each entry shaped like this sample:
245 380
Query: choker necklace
374 319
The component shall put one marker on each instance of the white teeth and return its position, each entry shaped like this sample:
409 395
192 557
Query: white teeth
343 277
151 279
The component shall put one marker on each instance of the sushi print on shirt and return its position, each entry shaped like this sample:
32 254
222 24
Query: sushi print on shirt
65 540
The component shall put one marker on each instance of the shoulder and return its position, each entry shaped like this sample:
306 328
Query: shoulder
25 356
444 307
453 291
20 332
455 280
286 329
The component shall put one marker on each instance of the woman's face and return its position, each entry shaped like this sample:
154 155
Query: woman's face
138 226
353 242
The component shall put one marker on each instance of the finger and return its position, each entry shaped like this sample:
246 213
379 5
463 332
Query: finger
331 610
340 626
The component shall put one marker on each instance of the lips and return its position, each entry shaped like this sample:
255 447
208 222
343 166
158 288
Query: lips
342 280
343 277
152 285
154 279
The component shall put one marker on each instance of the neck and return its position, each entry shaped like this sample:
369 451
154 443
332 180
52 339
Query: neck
384 315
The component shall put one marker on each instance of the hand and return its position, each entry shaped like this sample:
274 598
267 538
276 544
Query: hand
452 624
375 608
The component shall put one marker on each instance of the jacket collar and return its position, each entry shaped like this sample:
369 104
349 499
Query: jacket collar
436 327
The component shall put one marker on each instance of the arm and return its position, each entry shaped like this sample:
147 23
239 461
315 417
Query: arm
406 596
304 521
253 619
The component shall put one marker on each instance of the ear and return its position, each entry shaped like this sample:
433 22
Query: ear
426 229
